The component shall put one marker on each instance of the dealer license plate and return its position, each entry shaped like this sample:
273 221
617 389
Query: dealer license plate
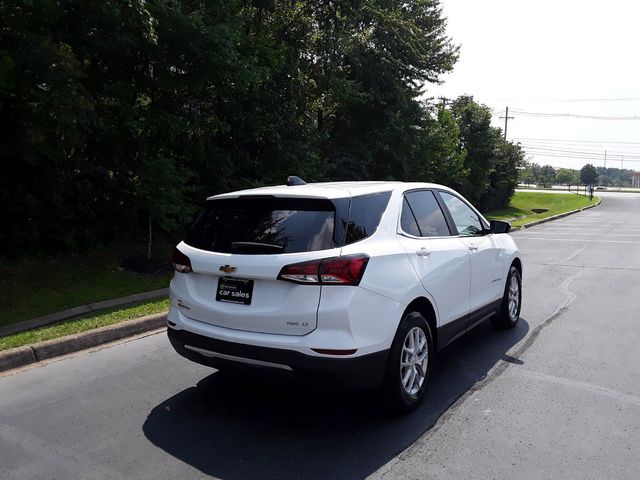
234 290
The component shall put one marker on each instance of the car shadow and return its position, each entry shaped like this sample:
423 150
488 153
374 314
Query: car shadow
243 427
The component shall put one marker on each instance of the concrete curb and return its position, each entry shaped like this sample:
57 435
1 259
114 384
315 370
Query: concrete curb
25 325
555 217
23 356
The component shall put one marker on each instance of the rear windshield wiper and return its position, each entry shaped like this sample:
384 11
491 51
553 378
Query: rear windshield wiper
255 247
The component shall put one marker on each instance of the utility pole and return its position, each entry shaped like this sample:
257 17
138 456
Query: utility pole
604 182
444 100
506 121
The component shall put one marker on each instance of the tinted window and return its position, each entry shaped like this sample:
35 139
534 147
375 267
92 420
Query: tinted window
259 225
408 220
427 213
364 216
466 220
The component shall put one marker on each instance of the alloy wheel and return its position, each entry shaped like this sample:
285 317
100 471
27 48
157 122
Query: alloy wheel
514 298
414 360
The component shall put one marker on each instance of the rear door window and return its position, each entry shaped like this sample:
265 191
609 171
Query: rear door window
422 215
265 225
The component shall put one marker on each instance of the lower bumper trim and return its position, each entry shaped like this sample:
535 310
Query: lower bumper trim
233 358
351 373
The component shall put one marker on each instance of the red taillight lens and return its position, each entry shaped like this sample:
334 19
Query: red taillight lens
181 262
305 272
343 270
346 270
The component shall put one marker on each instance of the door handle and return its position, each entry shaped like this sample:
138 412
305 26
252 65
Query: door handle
423 252
473 248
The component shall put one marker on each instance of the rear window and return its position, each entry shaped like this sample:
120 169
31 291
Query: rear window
259 225
272 225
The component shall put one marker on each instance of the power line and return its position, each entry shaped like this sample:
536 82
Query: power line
577 153
574 157
584 158
576 141
572 115
573 150
575 100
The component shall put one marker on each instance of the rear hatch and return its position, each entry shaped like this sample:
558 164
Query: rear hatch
237 248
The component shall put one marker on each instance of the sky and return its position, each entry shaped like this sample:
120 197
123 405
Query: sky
553 57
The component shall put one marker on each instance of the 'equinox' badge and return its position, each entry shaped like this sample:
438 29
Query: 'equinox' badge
228 269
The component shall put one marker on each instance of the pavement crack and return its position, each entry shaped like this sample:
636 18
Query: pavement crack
492 375
570 257
571 297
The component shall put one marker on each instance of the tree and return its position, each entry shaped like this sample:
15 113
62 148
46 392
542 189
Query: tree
479 140
369 62
503 175
439 158
490 163
118 118
566 176
526 173
588 175
547 175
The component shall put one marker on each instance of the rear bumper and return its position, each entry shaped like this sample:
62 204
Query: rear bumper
353 373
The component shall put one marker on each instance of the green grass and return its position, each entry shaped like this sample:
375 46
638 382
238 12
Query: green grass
33 287
519 212
82 324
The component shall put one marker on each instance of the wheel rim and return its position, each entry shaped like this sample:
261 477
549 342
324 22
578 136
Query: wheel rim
414 360
514 298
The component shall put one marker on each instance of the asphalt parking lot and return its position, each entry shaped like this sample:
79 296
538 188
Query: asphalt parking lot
557 397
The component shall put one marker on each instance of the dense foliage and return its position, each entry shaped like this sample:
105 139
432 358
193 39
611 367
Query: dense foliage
588 174
118 118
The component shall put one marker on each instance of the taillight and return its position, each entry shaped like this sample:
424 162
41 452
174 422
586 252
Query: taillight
305 272
181 262
343 270
347 270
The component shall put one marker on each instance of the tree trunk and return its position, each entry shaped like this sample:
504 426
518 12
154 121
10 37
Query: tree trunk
150 238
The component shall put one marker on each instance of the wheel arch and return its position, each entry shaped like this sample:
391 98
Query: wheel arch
518 264
424 306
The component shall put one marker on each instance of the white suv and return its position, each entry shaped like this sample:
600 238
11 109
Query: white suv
356 283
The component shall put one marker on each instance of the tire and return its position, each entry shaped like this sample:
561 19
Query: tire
404 396
511 301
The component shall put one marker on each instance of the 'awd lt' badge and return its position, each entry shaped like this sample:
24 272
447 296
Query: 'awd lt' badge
228 269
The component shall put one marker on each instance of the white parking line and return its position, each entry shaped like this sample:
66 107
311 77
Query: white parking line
590 233
590 223
547 239
600 227
580 385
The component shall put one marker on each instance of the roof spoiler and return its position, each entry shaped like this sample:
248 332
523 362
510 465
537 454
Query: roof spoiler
292 181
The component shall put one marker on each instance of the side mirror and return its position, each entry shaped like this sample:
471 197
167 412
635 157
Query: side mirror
498 226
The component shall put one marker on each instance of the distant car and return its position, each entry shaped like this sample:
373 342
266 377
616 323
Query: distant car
354 283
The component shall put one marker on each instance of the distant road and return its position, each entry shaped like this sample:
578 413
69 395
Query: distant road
557 397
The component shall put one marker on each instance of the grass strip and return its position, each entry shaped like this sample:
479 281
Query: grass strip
32 287
519 212
84 323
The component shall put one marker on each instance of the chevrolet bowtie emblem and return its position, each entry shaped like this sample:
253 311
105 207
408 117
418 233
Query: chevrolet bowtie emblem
228 269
